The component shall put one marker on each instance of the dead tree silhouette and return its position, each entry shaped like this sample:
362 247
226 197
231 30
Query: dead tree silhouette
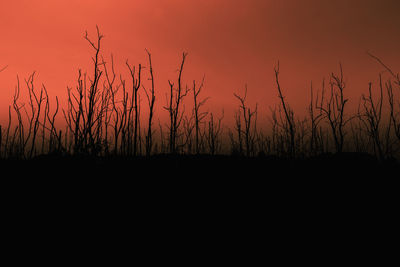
371 117
102 117
136 83
394 106
174 105
198 116
334 109
151 98
84 108
288 123
213 133
248 133
316 136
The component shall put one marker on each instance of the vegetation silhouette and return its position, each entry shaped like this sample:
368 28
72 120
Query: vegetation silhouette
103 123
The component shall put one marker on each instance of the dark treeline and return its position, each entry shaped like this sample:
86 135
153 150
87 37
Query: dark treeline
108 115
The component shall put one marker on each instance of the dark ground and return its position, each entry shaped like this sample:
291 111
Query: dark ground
214 183
322 208
181 166
202 170
201 178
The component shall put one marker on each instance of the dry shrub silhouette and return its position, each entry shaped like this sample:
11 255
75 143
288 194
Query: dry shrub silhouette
287 123
174 105
334 109
151 98
85 109
198 115
104 117
247 133
213 134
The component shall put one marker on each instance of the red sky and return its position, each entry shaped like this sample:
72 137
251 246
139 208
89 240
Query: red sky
231 42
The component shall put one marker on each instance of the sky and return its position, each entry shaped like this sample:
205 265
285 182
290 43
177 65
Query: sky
232 43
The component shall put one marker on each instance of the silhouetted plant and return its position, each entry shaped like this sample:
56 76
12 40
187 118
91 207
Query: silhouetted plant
7 148
359 138
316 139
55 138
151 98
136 80
84 108
391 146
213 136
108 101
174 105
103 117
198 116
394 109
188 127
163 146
287 124
371 117
301 141
334 109
35 102
19 147
248 132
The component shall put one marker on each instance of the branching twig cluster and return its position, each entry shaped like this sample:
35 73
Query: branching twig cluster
104 116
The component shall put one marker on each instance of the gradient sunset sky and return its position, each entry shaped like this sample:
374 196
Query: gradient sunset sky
231 42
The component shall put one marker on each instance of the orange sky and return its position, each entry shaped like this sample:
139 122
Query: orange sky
231 42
